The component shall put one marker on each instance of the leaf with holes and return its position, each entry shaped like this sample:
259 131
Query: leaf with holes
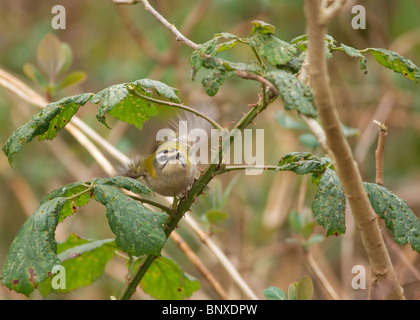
124 182
33 252
165 280
303 163
213 81
329 205
76 194
295 94
46 123
396 62
121 102
399 218
354 53
83 260
276 51
138 230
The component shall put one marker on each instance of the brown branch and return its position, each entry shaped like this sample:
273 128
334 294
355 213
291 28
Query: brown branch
379 153
196 261
329 9
341 154
178 35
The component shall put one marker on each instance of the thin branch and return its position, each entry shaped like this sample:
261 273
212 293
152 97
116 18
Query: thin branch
179 106
245 167
250 76
178 35
344 162
331 9
379 153
201 267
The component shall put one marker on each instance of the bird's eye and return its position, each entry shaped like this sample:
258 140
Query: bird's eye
165 151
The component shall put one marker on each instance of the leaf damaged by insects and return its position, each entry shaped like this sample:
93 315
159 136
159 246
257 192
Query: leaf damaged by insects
329 206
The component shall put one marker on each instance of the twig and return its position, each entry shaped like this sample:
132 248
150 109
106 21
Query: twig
245 167
250 76
329 9
379 153
201 267
179 106
344 162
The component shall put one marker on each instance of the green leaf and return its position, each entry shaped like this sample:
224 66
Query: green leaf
45 124
399 218
138 230
83 260
288 122
301 43
68 57
200 55
295 221
316 238
262 27
329 205
213 81
227 45
349 132
276 51
32 72
165 280
354 53
126 183
216 216
274 293
396 62
71 79
303 163
50 55
74 191
33 252
291 291
309 140
120 102
304 289
295 94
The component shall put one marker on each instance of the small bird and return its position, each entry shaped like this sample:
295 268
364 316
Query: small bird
168 170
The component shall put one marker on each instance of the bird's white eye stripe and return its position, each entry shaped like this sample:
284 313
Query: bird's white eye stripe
170 156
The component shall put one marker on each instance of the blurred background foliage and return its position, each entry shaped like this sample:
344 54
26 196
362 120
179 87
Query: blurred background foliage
114 44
